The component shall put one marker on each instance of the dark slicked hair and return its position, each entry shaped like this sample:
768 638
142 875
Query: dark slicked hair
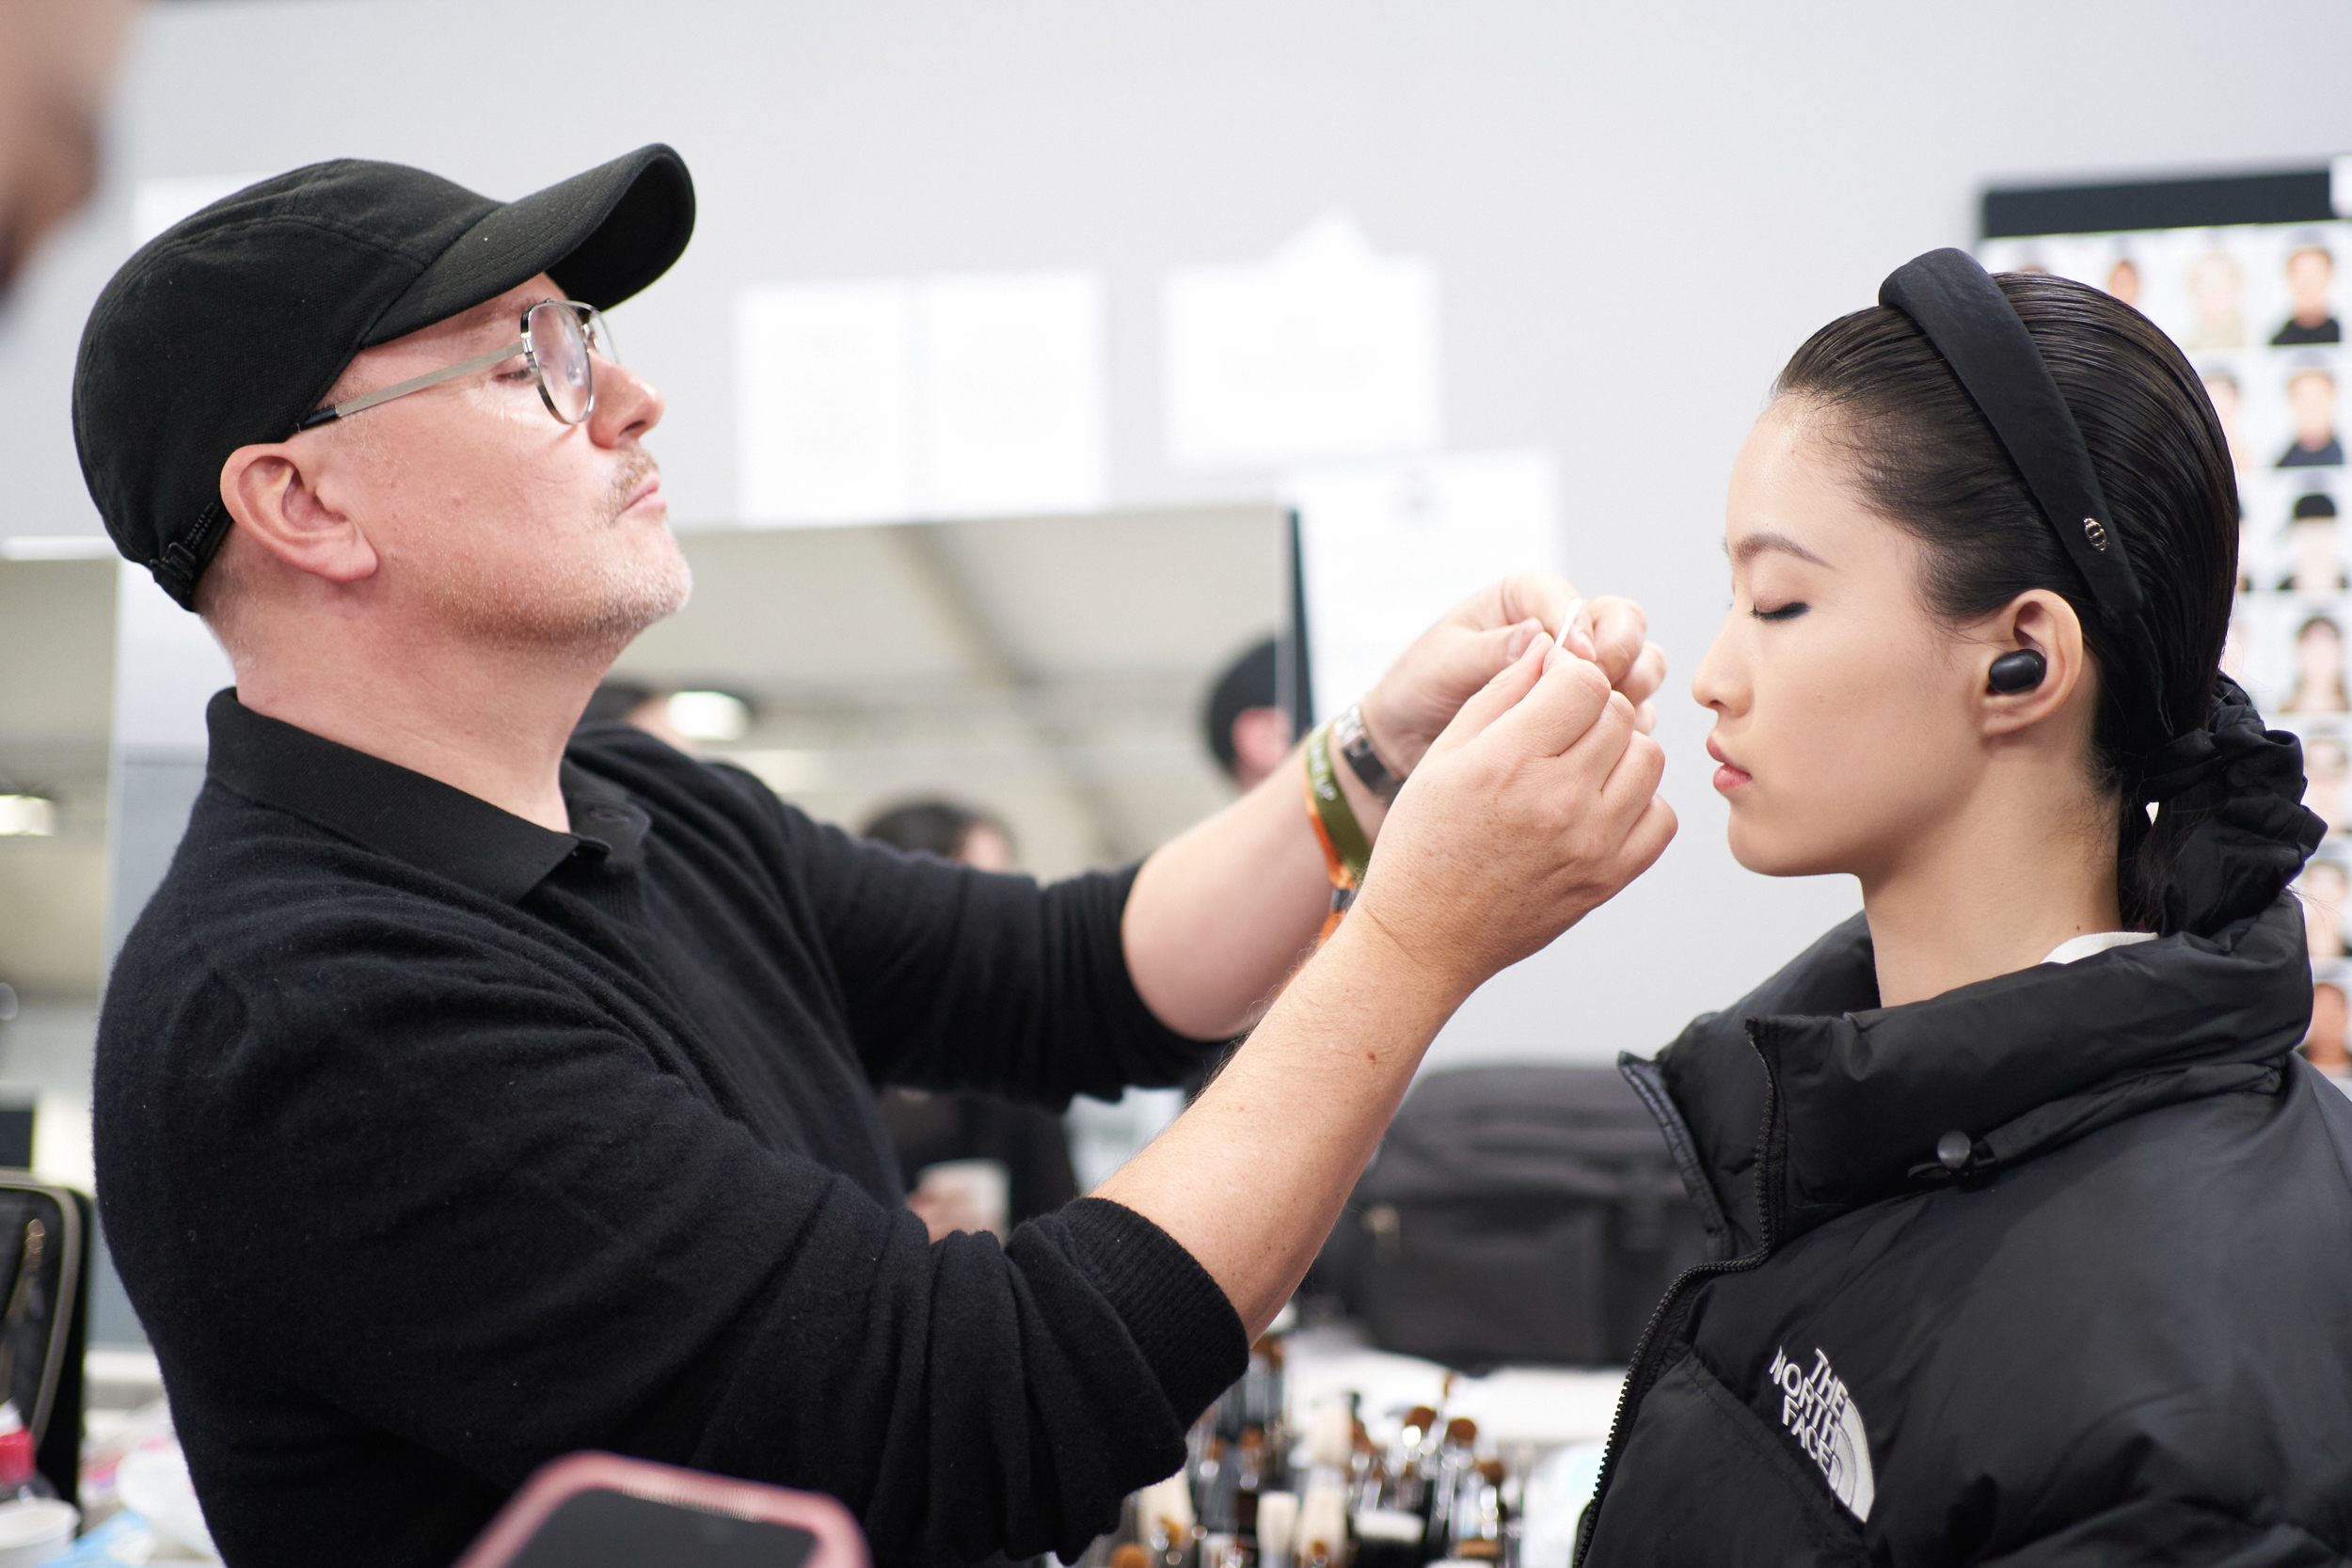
1924 459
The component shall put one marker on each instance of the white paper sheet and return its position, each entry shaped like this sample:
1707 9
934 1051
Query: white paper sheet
1388 549
1010 419
825 403
1328 349
884 400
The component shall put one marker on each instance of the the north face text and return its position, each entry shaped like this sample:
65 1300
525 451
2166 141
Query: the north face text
1816 1409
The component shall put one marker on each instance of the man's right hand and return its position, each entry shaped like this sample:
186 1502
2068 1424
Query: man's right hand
1536 804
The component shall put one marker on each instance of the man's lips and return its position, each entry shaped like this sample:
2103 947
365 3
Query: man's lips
649 489
1729 775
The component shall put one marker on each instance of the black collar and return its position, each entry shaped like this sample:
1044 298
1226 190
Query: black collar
431 825
1852 1098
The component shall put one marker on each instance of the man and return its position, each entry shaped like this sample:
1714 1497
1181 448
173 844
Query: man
1247 729
471 1091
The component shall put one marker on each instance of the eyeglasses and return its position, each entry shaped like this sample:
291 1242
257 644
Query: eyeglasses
559 335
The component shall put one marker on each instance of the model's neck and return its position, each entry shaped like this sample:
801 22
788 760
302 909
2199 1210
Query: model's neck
1991 893
491 722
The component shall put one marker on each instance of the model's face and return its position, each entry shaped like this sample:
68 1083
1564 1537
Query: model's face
1843 710
2313 396
490 519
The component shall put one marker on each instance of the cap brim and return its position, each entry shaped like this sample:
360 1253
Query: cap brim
602 235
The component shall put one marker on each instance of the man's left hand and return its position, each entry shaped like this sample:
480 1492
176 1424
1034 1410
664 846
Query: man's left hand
1483 634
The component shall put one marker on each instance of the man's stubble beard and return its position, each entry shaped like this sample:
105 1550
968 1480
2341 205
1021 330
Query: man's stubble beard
595 606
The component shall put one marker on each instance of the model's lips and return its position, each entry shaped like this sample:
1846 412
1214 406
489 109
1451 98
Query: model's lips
1729 775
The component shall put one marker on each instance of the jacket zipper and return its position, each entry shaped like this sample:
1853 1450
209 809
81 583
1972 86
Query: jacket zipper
1637 1373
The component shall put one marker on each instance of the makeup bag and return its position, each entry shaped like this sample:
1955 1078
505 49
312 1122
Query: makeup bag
1519 1213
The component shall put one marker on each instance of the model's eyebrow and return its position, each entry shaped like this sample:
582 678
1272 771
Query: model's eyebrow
1755 545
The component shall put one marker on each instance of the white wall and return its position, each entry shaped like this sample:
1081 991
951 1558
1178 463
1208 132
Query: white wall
1636 213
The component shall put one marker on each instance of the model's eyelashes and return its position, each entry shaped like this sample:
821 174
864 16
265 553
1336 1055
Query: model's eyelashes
1788 611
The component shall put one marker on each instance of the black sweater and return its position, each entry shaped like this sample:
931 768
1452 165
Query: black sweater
432 1144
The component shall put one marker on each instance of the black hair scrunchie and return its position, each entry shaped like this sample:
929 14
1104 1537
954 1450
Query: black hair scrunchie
2230 825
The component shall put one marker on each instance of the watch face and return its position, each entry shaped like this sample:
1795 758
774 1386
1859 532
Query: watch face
617 1530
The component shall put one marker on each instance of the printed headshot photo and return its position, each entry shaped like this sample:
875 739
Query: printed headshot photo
2217 288
2312 548
2233 644
2318 669
2324 763
2323 885
2221 388
2311 399
2123 281
2311 278
2323 1043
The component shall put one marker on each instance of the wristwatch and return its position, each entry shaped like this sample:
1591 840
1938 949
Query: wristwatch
1350 739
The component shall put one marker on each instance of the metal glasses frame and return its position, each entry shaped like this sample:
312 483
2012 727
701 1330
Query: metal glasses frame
591 320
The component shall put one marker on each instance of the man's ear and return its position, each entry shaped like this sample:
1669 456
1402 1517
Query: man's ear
272 490
2041 622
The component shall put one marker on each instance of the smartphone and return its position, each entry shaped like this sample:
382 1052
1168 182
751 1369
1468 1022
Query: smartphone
602 1511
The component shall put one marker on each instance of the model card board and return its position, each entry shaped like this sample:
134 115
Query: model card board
2247 274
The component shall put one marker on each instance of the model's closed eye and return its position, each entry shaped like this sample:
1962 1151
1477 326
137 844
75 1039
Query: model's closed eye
1788 611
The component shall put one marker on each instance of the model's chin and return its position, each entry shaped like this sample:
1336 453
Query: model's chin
1767 853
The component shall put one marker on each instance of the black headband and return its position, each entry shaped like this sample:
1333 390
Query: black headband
1973 325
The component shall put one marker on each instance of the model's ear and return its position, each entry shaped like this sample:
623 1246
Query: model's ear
2039 623
273 490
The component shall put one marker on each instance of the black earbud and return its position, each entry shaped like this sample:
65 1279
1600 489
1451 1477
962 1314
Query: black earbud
2019 672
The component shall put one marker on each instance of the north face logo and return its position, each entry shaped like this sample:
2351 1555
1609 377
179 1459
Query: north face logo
1817 1408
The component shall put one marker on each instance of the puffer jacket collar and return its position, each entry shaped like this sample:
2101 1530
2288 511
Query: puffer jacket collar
1840 1102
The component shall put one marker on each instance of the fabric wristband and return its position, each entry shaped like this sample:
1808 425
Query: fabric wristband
1345 850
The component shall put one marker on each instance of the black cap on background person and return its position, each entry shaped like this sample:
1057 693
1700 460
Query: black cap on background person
231 327
1247 729
57 58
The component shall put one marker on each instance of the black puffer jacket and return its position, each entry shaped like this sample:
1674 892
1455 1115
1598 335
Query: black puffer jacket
2122 1334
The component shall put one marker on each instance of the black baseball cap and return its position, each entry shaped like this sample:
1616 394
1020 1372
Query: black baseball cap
229 326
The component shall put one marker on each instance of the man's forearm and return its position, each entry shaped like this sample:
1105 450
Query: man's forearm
1219 917
1250 1178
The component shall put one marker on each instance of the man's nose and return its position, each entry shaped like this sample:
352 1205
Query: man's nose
627 405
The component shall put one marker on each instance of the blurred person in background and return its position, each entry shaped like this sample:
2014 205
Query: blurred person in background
1247 729
2312 396
938 1134
639 706
478 1086
2311 276
56 58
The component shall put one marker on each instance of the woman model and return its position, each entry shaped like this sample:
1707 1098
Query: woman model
2035 1236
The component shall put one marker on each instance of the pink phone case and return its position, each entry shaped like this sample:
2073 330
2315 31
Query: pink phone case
839 1542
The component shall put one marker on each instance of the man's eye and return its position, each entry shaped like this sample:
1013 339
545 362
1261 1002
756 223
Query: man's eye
1786 612
521 372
